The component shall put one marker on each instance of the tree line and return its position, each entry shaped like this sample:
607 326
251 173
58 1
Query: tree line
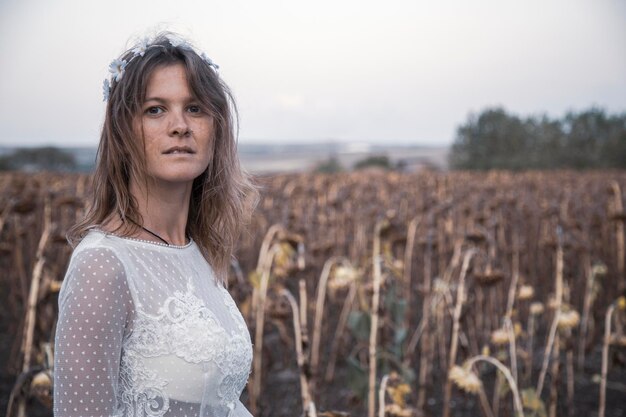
495 139
46 158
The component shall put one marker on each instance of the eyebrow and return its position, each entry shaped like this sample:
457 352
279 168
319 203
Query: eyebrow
162 100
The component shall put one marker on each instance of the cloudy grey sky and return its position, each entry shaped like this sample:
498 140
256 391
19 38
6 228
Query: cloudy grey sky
397 71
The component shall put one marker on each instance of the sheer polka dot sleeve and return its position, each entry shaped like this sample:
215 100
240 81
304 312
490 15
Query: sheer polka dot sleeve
95 307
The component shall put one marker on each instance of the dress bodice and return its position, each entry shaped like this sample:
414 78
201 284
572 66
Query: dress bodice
146 330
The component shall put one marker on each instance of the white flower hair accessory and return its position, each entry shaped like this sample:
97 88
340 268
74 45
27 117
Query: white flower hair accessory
141 47
117 67
209 61
178 42
106 89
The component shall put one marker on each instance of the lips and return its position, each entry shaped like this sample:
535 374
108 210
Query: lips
179 150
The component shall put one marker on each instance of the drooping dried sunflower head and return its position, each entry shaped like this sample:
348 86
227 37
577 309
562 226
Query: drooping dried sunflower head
398 390
525 292
41 387
465 379
536 308
599 269
499 337
618 340
568 319
342 276
488 277
440 286
397 411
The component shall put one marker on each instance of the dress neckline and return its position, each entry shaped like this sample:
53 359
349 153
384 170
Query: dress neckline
148 242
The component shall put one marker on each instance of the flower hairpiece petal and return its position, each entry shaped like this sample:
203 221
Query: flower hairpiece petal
209 61
106 89
116 68
141 47
177 42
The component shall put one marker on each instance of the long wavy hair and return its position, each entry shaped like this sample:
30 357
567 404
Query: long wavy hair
222 197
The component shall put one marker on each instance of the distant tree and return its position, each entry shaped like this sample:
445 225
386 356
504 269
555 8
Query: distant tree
497 140
381 161
38 159
587 134
401 165
493 139
329 166
614 150
4 164
544 143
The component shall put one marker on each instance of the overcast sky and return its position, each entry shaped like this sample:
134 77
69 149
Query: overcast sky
305 71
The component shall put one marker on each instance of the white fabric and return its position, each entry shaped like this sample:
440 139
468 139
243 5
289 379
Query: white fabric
145 330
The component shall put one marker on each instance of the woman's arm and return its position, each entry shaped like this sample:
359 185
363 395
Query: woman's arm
94 307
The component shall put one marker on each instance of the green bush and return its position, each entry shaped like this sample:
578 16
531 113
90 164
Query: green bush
381 161
330 166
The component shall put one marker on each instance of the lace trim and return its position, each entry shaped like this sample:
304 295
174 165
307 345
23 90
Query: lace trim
142 390
234 311
184 326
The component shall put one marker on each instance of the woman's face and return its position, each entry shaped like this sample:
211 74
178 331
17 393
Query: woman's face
178 134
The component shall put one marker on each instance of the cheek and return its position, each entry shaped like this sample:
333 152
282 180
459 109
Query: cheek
151 141
150 130
147 141
207 137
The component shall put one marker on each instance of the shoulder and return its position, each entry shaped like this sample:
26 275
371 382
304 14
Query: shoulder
96 238
95 262
95 252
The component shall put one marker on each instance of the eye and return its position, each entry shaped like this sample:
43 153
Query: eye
194 109
154 110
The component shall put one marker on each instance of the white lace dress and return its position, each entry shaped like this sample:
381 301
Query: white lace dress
144 329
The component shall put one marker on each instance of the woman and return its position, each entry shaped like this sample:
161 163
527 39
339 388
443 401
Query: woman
146 327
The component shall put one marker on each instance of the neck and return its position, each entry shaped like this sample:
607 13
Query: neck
164 210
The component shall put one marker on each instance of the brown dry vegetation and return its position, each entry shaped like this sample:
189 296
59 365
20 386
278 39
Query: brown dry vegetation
435 277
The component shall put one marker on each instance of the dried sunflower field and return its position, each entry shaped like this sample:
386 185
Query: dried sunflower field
378 293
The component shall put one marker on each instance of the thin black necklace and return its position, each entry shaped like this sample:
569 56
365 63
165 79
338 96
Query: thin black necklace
151 232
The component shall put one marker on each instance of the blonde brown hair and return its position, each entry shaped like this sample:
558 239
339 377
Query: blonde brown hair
222 197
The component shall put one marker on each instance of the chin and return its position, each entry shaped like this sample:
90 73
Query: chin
178 177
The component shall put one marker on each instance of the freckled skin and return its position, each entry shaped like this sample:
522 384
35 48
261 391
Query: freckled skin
171 110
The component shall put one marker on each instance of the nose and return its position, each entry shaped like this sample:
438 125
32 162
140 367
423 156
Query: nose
178 125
